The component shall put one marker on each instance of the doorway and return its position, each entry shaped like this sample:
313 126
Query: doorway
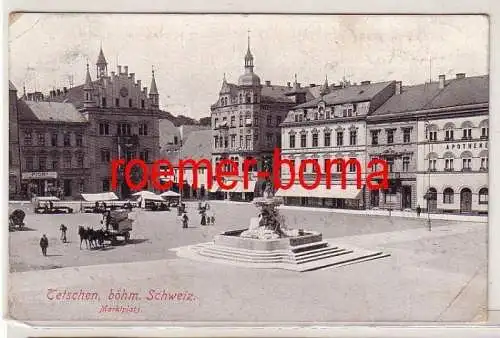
432 200
466 200
406 197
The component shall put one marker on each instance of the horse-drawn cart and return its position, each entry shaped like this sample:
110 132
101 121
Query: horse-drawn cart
118 224
16 219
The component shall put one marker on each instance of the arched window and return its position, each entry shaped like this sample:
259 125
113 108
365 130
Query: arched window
431 194
467 130
448 196
248 98
448 131
431 132
483 196
484 160
448 161
432 160
485 130
466 157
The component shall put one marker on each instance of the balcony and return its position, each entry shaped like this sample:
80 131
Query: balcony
466 169
128 140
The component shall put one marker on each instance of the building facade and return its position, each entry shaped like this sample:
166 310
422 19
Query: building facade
110 117
332 126
452 172
14 150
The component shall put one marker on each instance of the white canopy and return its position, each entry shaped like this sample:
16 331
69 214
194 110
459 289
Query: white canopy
105 196
144 194
47 198
169 193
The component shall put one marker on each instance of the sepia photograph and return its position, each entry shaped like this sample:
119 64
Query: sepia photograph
225 168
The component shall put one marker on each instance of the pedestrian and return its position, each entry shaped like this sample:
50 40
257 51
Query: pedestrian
185 220
212 219
63 233
203 218
44 244
419 210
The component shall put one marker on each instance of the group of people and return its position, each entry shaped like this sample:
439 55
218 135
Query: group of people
207 218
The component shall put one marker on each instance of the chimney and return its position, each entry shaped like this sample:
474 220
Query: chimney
312 85
65 90
399 85
126 70
268 83
119 69
365 82
288 84
460 75
139 83
132 77
442 78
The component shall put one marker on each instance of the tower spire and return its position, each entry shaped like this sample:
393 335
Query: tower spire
325 89
153 90
102 64
248 57
88 79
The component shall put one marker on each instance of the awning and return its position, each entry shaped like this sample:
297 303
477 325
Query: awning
105 196
350 192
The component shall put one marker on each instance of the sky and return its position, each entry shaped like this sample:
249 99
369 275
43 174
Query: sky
191 53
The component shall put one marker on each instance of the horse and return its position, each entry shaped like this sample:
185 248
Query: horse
83 236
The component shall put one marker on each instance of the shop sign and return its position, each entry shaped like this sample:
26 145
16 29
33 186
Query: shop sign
39 175
468 145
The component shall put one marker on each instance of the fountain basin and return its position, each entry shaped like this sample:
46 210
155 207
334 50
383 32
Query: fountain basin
231 239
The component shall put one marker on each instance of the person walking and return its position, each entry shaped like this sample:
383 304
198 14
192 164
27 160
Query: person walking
44 244
185 220
63 233
203 218
419 210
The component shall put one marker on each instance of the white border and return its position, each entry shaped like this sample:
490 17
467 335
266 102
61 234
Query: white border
489 7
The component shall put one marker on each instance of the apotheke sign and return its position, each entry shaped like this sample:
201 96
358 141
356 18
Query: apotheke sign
40 175
468 145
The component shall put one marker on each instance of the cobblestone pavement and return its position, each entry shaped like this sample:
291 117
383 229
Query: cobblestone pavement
438 275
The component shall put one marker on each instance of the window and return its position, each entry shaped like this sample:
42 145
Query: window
241 121
406 135
42 163
485 132
448 164
390 164
432 164
233 121
233 141
255 138
327 140
352 137
303 140
130 155
390 136
255 121
374 137
105 184
449 135
143 129
292 141
352 167
315 140
81 186
340 138
248 141
130 103
448 196
117 102
105 156
406 163
278 121
103 128
124 129
248 98
104 104
67 139
269 138
467 134
216 141
79 160
55 164
67 160
226 143
484 163
79 140
143 105
28 137
466 164
53 139
433 135
41 139
241 141
144 155
29 163
176 140
483 196
269 121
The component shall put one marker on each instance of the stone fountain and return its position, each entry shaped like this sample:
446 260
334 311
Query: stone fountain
269 243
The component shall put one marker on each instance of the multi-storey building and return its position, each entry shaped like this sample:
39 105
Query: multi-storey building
85 127
329 127
392 136
452 168
246 121
122 121
54 148
14 150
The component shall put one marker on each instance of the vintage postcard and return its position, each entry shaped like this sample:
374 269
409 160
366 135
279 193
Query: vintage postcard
248 168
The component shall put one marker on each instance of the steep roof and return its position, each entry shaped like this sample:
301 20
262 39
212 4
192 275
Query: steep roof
273 93
355 93
49 112
101 59
168 131
465 91
74 95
